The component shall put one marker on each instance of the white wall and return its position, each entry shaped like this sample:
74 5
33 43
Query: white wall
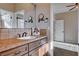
45 9
78 31
78 25
51 29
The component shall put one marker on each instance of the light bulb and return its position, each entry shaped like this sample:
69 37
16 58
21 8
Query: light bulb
76 6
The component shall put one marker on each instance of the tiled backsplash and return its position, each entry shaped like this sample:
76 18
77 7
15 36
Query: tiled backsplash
12 32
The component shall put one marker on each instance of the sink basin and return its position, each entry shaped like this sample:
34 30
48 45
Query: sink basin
27 37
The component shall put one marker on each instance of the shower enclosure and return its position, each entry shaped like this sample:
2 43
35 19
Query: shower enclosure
65 30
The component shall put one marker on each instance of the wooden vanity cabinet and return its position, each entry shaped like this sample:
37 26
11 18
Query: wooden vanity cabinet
38 48
35 48
43 41
18 51
34 52
25 54
34 45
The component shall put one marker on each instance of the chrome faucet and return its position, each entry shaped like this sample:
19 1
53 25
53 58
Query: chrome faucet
19 35
24 34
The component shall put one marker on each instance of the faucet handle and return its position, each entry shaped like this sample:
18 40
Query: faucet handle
24 34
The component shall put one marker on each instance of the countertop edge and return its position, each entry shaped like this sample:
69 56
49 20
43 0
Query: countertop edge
2 49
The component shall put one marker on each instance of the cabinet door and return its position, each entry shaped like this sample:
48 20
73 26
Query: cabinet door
43 41
34 52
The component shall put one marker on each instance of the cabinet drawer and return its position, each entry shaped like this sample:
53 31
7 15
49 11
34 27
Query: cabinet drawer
34 45
35 52
43 41
16 51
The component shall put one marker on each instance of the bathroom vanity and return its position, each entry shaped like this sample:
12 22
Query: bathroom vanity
18 47
13 37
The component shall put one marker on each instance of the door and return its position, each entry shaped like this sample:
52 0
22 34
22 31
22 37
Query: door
59 30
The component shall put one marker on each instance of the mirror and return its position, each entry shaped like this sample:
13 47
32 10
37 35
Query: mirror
24 19
19 16
17 19
29 17
7 19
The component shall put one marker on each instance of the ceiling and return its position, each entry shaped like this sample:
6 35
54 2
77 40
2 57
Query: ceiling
61 7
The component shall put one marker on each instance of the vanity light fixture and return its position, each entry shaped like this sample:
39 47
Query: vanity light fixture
46 20
30 19
41 17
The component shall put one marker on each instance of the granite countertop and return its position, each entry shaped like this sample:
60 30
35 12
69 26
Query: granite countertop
6 44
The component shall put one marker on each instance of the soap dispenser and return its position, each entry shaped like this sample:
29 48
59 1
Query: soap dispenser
36 32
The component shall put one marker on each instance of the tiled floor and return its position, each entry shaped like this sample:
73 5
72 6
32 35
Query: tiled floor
62 52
